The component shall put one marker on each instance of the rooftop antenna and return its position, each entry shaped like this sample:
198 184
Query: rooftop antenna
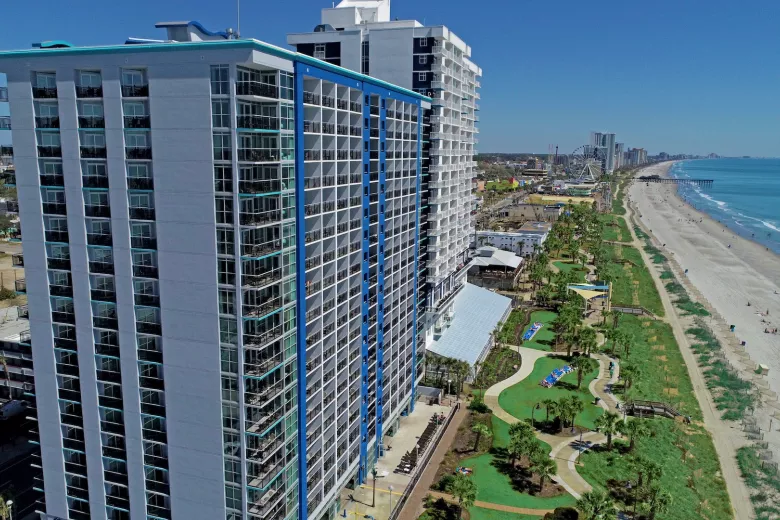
238 19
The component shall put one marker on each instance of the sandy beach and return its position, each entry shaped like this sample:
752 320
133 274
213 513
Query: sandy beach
728 277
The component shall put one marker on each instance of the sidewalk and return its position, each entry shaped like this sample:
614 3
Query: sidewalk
414 505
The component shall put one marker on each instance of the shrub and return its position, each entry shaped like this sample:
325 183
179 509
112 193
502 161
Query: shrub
444 483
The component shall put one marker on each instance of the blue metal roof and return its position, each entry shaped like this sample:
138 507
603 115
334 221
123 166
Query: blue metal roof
476 312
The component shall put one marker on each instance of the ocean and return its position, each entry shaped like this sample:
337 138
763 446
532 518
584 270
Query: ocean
745 195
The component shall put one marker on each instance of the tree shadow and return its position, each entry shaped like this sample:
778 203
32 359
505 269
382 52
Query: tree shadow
519 476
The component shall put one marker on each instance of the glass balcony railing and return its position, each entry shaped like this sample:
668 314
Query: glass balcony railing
93 152
47 122
135 90
256 88
89 92
258 122
138 152
49 151
137 122
91 122
44 92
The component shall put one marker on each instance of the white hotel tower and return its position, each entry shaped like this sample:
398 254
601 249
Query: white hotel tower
360 35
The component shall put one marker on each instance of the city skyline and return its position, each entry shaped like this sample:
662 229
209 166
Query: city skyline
657 97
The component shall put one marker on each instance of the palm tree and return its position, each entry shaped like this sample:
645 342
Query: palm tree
464 490
581 364
609 424
516 448
481 430
570 337
587 340
521 438
576 406
634 429
658 500
550 407
543 466
616 318
629 373
596 505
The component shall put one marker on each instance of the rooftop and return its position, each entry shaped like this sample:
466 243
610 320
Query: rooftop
536 227
489 256
477 311
196 39
11 325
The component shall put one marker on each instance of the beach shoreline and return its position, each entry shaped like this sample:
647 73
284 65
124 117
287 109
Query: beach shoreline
726 278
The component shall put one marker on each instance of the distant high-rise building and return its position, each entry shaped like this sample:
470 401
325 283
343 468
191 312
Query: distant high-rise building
603 147
619 151
636 156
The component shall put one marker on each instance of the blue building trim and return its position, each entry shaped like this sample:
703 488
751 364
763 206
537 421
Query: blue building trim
380 316
416 254
300 287
364 270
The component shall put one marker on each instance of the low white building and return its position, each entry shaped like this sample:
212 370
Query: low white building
522 241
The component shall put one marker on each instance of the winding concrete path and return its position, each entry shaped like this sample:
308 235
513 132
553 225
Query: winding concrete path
564 451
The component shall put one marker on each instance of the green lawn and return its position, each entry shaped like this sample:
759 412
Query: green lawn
544 338
496 487
520 398
690 483
565 267
479 513
615 228
623 280
660 369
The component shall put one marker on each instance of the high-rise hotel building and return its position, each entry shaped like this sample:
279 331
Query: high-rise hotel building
431 60
221 252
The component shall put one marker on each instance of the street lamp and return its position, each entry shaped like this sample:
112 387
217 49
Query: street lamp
449 390
10 505
373 494
390 488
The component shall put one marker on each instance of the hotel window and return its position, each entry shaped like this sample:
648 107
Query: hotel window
229 359
223 179
89 79
319 51
220 113
136 140
90 109
132 78
220 80
364 49
224 210
287 85
423 42
227 301
222 147
43 80
93 139
423 59
422 76
228 333
225 244
134 109
227 272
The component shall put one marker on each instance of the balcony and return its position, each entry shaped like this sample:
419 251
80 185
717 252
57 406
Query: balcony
49 151
52 180
47 122
151 382
311 127
249 155
143 242
252 187
261 219
63 316
149 300
99 239
140 183
255 88
258 122
91 122
57 236
141 213
61 290
44 92
137 122
94 181
145 271
108 376
145 327
54 208
103 295
105 322
97 211
135 90
311 98
93 152
89 92
311 155
138 152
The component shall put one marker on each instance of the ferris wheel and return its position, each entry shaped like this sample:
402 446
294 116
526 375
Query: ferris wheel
584 164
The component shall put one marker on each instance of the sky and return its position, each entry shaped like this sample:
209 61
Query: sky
690 76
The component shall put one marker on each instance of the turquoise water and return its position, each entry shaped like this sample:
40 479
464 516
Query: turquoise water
745 196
